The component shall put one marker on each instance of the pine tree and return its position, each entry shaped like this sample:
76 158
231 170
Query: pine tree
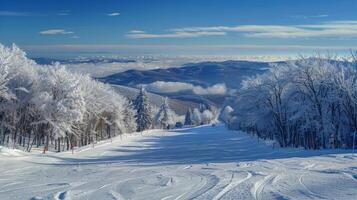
163 118
188 117
202 107
143 117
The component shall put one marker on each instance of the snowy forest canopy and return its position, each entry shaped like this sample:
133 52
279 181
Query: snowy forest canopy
49 106
310 102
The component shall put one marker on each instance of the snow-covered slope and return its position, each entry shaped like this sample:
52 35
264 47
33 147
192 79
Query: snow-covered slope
199 163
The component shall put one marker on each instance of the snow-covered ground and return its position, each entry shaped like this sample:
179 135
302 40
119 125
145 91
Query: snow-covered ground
199 163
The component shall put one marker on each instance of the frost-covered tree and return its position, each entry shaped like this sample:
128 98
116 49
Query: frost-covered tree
128 116
104 114
143 111
226 114
207 117
203 115
21 75
165 117
309 102
4 79
196 116
51 107
60 102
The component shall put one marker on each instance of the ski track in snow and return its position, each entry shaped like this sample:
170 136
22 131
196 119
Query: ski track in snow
233 183
311 193
259 186
197 163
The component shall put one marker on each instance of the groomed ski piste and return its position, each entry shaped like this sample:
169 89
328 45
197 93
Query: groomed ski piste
196 163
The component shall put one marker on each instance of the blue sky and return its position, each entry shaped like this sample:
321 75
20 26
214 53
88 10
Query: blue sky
179 27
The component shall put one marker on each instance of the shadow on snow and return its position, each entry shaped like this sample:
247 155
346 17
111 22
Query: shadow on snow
199 145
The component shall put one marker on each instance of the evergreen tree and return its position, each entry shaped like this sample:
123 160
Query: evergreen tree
202 107
142 116
164 117
188 117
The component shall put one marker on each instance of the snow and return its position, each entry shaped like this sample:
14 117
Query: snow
6 152
195 163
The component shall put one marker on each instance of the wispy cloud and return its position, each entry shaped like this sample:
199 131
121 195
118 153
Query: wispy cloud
331 29
64 12
310 16
7 13
174 34
136 31
55 32
318 16
334 29
113 14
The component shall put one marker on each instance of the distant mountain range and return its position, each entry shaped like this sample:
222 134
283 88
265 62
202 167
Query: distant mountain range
204 74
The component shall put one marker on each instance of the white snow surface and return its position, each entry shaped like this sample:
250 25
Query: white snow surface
196 163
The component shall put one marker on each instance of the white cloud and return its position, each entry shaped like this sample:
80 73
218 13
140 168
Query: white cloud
136 31
331 29
168 87
172 87
177 34
317 16
55 32
113 14
218 89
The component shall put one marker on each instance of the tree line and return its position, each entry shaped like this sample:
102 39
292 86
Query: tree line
310 102
48 106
